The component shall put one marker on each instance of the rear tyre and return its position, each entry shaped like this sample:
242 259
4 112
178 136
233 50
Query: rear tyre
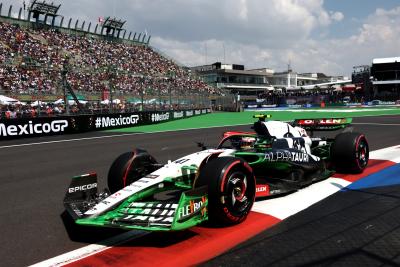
350 152
231 189
128 168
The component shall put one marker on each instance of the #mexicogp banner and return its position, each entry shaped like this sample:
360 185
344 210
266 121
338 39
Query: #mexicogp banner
35 127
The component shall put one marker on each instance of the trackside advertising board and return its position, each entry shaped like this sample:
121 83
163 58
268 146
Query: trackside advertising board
57 125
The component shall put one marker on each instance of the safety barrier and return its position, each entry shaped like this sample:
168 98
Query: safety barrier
43 126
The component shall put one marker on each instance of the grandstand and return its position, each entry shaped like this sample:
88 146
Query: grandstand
34 53
386 78
362 81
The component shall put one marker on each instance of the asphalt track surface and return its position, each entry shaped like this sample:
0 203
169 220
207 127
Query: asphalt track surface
36 172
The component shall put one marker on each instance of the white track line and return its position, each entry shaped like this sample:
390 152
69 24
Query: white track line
84 252
389 153
114 136
283 207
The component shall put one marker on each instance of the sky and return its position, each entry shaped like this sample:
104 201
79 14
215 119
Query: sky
328 36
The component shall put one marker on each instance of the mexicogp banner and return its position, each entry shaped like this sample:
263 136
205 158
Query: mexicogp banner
57 125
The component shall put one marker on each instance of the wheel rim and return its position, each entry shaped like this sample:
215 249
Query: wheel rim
362 153
238 195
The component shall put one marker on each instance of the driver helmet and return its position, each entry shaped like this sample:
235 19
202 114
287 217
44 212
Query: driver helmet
243 142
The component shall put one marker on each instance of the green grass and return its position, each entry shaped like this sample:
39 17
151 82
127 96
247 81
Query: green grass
241 118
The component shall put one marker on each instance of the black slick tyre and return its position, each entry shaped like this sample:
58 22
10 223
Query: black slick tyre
350 152
128 168
231 189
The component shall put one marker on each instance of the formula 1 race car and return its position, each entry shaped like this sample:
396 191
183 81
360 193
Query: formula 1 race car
217 185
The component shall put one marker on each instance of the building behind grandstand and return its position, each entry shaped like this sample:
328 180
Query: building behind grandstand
385 76
250 83
380 80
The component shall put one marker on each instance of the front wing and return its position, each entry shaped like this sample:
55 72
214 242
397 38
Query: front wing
188 210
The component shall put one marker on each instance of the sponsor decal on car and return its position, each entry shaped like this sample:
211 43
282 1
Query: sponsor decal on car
286 156
262 190
150 212
151 176
31 128
156 117
82 188
102 122
276 191
323 122
142 181
181 161
194 206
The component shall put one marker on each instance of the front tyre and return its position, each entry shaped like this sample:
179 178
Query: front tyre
231 189
350 152
128 168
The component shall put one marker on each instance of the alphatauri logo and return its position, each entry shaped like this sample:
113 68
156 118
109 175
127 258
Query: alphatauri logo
31 128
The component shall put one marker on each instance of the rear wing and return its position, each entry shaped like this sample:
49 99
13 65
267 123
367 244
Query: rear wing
327 124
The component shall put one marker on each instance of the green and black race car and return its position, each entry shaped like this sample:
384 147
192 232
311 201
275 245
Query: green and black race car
218 185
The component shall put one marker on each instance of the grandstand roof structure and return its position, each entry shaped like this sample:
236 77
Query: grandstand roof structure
44 8
111 25
40 10
385 60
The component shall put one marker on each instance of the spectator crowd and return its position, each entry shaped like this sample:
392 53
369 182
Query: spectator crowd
31 61
310 96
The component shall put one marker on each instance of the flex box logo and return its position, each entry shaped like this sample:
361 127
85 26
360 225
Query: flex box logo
31 128
104 122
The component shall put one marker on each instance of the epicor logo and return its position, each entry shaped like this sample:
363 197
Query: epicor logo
82 188
107 121
33 128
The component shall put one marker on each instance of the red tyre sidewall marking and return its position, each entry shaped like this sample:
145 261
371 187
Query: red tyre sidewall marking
225 209
128 169
357 144
226 173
